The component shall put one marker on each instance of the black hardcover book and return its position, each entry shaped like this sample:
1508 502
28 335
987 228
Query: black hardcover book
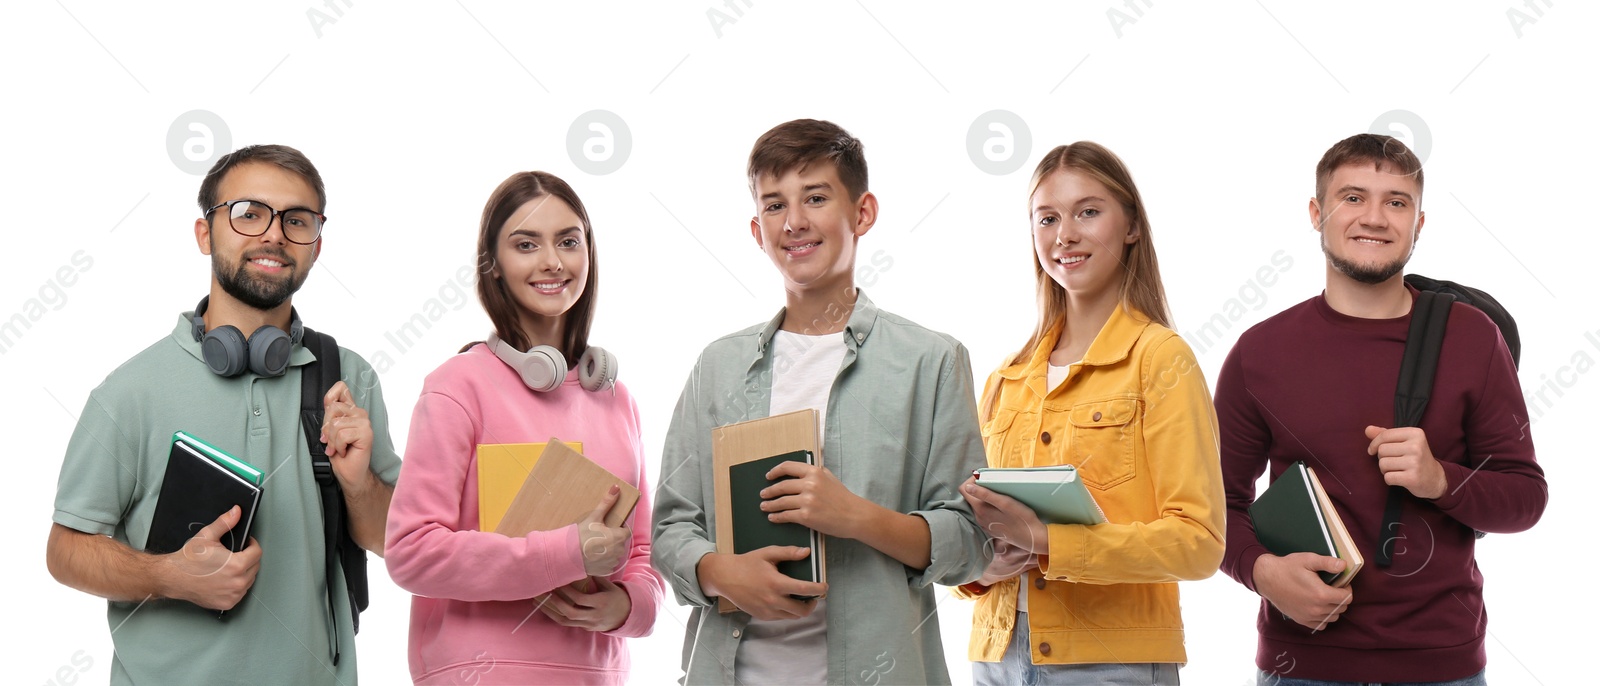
195 491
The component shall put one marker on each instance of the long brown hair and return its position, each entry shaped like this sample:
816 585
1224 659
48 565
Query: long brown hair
1142 294
513 193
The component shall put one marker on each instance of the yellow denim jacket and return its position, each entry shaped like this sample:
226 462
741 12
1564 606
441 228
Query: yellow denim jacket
1135 417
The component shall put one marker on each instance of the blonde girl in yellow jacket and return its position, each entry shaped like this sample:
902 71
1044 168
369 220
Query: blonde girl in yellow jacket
1105 386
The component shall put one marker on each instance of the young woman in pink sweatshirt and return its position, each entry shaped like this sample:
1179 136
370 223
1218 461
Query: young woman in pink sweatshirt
551 606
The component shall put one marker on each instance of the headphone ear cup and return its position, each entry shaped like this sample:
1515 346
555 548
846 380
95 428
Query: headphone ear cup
224 351
597 369
543 360
269 349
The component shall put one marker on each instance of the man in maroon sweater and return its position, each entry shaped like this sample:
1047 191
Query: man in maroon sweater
1316 383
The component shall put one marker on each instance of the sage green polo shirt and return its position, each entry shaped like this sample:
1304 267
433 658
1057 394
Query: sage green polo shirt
111 477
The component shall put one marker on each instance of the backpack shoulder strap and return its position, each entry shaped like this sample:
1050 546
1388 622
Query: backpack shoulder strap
1429 314
315 380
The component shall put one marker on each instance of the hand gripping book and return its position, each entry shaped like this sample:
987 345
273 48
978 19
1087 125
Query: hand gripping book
741 526
201 483
1056 494
1295 515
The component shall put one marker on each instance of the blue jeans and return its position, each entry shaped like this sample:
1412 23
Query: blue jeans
1017 669
1266 679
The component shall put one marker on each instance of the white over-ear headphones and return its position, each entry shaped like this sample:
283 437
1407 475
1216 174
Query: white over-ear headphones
543 368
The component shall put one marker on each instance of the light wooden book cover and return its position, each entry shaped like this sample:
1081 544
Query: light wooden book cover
1343 545
562 488
502 467
753 440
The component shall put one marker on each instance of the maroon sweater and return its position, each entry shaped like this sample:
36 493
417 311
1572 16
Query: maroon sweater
1304 385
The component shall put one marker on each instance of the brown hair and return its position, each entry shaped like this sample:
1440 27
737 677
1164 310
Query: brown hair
1142 293
799 143
282 156
513 193
1374 148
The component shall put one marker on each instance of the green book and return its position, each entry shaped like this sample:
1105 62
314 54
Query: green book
244 469
751 528
1056 494
1288 519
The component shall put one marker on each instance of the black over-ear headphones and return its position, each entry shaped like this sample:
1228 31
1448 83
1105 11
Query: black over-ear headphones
227 352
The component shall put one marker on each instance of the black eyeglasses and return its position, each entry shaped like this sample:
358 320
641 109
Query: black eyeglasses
251 218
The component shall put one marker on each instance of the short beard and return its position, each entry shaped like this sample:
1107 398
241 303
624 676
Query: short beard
1370 274
257 293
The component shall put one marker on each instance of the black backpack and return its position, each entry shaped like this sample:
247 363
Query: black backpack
1429 315
341 550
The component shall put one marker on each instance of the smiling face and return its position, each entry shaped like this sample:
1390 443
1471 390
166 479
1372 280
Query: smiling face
1080 234
1370 220
807 224
259 271
542 258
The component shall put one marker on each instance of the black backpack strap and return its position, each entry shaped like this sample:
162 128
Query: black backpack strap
315 380
1429 314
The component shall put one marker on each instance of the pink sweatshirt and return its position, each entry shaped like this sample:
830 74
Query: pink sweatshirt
473 619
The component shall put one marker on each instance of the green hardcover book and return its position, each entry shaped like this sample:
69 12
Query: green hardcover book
751 528
1056 494
245 470
1288 519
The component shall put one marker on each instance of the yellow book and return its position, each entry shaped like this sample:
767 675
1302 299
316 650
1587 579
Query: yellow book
502 467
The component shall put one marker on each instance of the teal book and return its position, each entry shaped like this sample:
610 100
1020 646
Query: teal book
1289 519
1056 494
244 469
751 528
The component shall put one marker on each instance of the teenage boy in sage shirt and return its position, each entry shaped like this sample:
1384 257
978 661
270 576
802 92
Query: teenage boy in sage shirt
899 433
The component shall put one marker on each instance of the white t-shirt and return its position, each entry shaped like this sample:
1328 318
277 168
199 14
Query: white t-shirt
1052 378
794 651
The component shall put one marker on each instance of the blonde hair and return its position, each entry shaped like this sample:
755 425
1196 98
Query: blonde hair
1142 294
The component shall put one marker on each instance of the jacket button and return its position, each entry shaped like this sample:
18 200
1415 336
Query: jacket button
1045 437
737 633
1097 416
1038 583
1044 648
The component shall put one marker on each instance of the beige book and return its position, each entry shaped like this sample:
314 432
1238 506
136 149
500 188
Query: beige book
1343 545
502 467
757 439
562 488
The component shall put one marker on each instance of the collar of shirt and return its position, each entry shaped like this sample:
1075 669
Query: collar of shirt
1110 346
863 315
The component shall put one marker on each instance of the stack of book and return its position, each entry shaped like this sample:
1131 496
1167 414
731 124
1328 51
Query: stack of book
1294 515
201 483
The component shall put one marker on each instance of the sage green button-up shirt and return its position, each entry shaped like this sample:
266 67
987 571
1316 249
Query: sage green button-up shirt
901 431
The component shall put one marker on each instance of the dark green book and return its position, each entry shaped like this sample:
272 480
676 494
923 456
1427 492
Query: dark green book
1288 519
751 528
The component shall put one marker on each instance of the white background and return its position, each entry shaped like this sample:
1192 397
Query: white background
414 111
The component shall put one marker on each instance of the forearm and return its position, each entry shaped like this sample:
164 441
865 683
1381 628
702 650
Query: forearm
1494 501
102 566
369 512
1175 548
903 537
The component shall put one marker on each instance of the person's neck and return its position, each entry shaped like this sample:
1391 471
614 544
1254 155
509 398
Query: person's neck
1086 316
543 331
1387 300
816 312
223 310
